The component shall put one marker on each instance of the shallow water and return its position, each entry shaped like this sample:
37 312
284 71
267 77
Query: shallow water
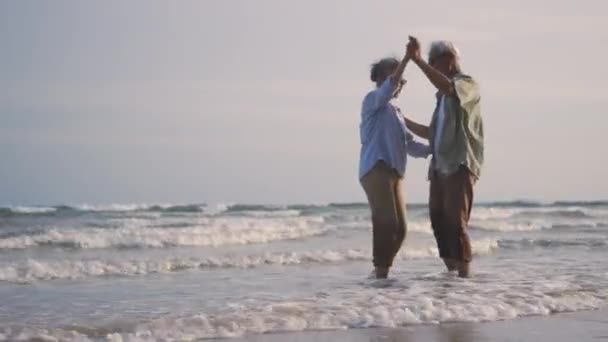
136 272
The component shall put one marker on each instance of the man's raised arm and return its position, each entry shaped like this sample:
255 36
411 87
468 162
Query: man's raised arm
439 80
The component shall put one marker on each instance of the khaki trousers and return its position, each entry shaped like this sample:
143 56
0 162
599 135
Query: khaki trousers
382 186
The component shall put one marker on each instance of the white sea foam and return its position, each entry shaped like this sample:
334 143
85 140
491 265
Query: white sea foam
502 222
567 274
277 213
209 232
420 227
360 310
424 226
486 225
573 212
485 213
31 210
417 302
114 207
538 224
505 226
595 242
35 270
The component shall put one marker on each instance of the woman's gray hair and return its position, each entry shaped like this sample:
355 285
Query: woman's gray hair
380 66
443 47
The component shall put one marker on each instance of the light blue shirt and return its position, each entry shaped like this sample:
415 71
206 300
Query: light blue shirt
383 133
440 124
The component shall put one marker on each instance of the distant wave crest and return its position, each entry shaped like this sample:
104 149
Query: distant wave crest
9 211
208 233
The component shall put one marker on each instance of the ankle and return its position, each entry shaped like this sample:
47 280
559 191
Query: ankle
381 272
464 270
450 264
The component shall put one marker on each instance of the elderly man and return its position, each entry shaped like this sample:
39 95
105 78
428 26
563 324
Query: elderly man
456 137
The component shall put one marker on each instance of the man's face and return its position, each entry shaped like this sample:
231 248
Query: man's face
443 63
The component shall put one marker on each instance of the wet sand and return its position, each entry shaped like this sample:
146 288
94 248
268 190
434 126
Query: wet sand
579 326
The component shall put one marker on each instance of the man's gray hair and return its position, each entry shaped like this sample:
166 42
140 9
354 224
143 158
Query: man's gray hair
442 47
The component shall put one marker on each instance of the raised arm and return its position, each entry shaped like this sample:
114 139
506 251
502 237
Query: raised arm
385 92
398 74
443 84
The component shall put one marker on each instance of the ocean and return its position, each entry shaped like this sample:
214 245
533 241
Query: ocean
191 272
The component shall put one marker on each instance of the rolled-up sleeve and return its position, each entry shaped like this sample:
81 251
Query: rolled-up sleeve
378 98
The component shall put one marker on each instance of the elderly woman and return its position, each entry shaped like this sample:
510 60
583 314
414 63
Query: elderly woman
385 142
456 136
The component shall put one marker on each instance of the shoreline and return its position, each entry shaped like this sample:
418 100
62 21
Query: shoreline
573 326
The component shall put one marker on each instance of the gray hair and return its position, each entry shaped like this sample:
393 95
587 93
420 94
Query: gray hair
442 47
380 66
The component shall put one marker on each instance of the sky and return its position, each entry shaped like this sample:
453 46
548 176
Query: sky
258 101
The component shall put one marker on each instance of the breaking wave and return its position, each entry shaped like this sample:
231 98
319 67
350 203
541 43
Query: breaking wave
34 270
211 233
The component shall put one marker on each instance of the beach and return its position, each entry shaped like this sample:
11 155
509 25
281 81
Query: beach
268 171
186 272
581 326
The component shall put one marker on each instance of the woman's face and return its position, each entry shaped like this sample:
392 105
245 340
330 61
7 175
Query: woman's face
400 86
386 72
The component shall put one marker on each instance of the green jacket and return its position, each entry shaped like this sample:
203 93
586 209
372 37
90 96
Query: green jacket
461 141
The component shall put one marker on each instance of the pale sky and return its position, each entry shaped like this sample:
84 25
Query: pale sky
258 101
